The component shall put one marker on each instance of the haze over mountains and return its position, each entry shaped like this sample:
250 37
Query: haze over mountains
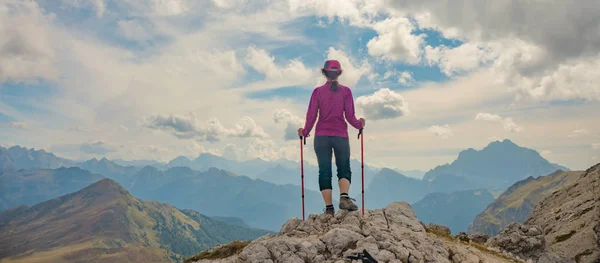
202 186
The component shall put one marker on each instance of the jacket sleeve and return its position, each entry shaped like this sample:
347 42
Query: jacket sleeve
311 113
349 110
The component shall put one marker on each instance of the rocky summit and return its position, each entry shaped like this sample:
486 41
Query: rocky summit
391 234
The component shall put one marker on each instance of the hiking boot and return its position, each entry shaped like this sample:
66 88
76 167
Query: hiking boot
347 204
330 212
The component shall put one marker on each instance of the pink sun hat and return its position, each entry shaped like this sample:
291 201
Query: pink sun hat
332 65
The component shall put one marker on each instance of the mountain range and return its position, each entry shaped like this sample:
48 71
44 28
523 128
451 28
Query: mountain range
104 223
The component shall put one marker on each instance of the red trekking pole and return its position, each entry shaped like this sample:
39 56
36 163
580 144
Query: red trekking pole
302 173
362 166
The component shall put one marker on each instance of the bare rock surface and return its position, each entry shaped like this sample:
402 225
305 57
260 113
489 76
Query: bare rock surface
391 234
570 219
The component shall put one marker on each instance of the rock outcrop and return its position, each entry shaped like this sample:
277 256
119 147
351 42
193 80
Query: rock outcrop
520 240
569 218
391 234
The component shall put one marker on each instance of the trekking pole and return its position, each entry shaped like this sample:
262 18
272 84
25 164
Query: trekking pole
302 172
362 166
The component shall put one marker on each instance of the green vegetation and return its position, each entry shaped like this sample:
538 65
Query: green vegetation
225 251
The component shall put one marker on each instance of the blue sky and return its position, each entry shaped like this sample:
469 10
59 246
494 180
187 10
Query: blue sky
160 79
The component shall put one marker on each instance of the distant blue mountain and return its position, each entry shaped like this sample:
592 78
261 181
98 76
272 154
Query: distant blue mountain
29 187
455 210
497 166
23 158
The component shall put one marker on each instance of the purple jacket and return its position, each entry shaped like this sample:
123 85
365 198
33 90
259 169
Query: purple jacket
332 106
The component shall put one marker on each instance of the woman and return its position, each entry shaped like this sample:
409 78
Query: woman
332 101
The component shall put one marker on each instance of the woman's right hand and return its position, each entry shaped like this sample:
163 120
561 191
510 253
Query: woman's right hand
300 132
362 121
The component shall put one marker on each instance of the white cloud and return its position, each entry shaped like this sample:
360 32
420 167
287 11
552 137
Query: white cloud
546 152
487 117
169 7
396 41
187 127
578 132
134 30
383 104
596 146
356 13
19 125
405 78
124 128
443 132
294 73
463 58
508 122
292 123
263 149
98 5
26 51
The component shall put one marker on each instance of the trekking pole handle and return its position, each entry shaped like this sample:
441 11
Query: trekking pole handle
360 133
304 139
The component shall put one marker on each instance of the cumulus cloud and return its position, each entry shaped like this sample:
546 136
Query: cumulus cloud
578 132
383 104
463 58
596 146
26 53
443 132
507 122
124 128
294 72
404 77
546 152
292 123
396 41
188 127
263 149
538 57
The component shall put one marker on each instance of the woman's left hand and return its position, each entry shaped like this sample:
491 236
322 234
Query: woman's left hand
300 132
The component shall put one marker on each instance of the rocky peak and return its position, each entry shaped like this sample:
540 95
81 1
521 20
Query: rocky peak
391 234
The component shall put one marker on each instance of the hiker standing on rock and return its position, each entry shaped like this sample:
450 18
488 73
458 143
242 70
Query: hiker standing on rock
332 101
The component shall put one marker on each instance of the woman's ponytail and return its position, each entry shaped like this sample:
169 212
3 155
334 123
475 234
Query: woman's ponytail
332 76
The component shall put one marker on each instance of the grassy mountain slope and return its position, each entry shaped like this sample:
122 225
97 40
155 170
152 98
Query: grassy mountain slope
517 203
104 223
